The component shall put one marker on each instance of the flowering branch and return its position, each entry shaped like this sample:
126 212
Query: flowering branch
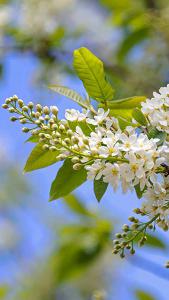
104 146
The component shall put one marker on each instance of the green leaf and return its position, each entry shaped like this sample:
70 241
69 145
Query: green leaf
40 158
126 103
100 188
81 245
71 94
130 41
123 123
66 180
33 139
142 295
155 242
156 134
75 205
139 117
4 289
90 70
138 191
124 107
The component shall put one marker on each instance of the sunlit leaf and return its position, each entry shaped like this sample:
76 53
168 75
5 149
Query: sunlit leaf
67 180
123 123
40 158
139 117
33 139
124 107
126 103
90 70
155 242
71 94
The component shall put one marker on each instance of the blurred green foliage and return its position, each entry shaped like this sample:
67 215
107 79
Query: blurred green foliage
137 61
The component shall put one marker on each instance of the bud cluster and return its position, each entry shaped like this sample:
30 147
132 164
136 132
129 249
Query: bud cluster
135 233
31 114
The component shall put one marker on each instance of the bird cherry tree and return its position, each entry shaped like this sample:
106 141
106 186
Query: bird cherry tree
111 142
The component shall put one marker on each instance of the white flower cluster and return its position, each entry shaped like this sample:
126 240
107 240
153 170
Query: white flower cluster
157 109
95 141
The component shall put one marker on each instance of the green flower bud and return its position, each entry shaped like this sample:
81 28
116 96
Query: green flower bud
11 110
52 148
132 251
54 127
46 110
37 114
30 105
25 108
39 107
45 147
25 129
8 101
23 121
75 160
21 103
77 167
13 119
14 98
5 106
62 127
54 110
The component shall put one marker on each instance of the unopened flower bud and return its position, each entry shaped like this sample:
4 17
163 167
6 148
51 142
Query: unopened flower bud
8 101
75 160
37 114
5 106
39 107
61 157
52 148
21 103
118 235
47 118
25 129
67 141
69 132
77 167
37 122
51 121
54 126
54 110
62 127
11 110
15 98
74 139
23 121
58 135
125 228
75 148
46 110
13 119
25 108
45 147
30 105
